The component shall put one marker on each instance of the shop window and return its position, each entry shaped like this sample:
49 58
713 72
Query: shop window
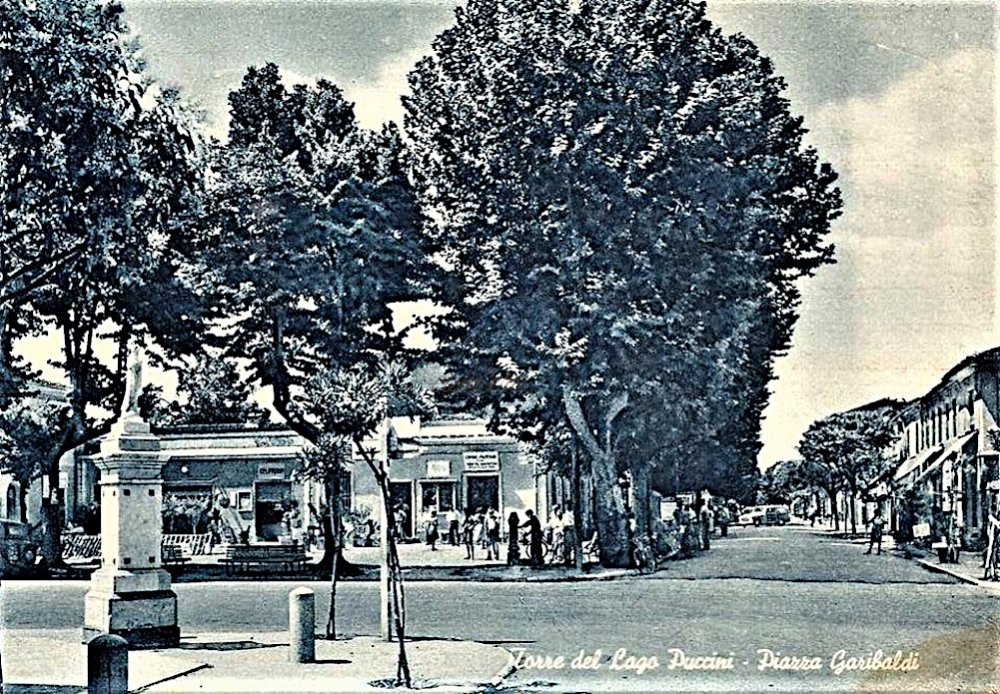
273 501
244 501
439 496
185 511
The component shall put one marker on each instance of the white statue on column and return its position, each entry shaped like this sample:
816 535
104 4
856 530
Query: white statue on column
130 595
133 387
129 420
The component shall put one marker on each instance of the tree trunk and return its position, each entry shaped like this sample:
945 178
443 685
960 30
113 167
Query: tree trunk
832 493
640 493
577 509
333 509
51 546
398 600
610 513
609 507
854 519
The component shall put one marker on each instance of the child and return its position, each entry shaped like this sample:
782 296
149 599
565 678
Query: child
432 531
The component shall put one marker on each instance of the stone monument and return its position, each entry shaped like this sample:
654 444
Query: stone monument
130 595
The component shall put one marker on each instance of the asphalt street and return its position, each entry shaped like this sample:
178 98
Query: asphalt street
791 592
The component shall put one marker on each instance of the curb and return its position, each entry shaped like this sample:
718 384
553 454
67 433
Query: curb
433 575
964 578
507 671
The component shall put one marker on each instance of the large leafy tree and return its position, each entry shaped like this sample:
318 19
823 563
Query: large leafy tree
99 166
210 391
313 234
633 180
852 448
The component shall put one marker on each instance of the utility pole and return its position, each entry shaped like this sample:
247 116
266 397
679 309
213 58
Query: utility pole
385 599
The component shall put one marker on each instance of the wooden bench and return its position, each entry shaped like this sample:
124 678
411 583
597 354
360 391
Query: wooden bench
174 556
280 558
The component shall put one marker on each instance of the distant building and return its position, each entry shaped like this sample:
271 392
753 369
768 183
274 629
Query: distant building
251 475
447 464
17 503
946 449
248 473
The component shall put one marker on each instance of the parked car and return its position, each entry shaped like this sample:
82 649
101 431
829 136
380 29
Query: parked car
751 516
775 515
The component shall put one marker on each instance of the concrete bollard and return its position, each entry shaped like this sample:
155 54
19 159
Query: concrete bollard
107 665
302 626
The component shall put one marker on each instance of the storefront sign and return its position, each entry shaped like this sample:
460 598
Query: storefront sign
439 468
922 530
482 461
270 471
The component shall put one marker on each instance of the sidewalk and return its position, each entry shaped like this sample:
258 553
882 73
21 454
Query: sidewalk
39 661
419 563
968 569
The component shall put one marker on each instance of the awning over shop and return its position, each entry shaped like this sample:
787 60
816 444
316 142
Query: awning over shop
916 461
953 448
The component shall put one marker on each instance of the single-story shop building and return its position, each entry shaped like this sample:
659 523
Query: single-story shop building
248 478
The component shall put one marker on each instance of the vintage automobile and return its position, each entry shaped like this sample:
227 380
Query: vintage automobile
775 515
751 516
18 550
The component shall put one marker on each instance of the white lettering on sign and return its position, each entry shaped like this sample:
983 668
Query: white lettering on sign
482 461
271 471
438 468
922 530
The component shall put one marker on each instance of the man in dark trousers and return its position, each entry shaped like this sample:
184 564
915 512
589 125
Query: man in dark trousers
875 539
535 537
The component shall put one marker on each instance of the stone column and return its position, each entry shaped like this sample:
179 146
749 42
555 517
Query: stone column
130 595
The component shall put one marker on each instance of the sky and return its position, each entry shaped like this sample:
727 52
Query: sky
900 99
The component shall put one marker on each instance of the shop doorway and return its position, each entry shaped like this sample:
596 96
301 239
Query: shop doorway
401 494
482 492
271 500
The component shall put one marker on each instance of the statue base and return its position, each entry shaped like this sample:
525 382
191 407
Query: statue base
138 606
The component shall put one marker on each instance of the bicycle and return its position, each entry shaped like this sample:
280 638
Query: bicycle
643 555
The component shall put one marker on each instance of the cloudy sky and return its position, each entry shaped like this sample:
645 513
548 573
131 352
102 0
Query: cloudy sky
899 98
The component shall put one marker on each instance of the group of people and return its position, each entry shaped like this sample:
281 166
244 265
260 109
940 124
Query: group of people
483 529
696 522
475 527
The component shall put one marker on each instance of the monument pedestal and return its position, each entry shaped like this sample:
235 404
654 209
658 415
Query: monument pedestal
139 606
130 595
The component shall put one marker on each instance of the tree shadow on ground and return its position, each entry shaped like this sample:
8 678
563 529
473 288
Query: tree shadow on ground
226 646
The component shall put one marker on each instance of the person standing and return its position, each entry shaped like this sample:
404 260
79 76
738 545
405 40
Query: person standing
723 519
706 524
400 524
452 518
432 530
513 545
555 530
492 527
535 538
875 540
568 536
469 534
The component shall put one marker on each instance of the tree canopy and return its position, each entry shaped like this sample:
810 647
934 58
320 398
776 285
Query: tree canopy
632 180
99 167
314 233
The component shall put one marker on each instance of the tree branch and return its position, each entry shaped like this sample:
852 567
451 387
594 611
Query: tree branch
578 421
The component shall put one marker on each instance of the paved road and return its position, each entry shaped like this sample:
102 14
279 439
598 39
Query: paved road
790 590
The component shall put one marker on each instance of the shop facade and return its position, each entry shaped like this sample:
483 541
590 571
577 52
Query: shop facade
444 465
244 479
946 481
